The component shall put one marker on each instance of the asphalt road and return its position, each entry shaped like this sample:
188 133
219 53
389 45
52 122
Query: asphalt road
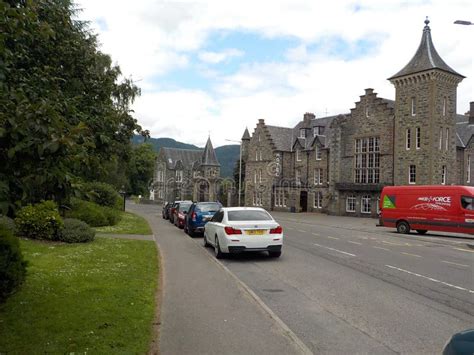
344 286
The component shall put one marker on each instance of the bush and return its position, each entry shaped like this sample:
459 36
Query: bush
76 231
102 194
8 223
93 214
40 221
12 265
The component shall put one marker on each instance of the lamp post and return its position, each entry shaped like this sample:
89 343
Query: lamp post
462 22
240 165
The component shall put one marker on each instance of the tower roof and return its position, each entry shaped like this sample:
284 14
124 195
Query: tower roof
246 135
209 155
425 58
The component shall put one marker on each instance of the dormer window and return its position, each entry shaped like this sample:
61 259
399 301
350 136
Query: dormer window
298 155
302 133
413 106
318 131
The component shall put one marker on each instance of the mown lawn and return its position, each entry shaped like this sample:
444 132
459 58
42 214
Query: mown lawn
97 298
129 224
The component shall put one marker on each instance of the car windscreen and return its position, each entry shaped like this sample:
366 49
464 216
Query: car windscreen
184 207
248 215
208 207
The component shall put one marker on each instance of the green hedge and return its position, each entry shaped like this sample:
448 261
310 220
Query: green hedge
12 265
102 194
40 221
76 231
93 214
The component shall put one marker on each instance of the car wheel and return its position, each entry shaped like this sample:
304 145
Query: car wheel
403 227
217 249
274 254
421 231
205 242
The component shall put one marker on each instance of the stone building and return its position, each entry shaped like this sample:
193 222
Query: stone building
339 164
186 174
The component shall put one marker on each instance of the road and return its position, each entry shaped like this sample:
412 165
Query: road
345 286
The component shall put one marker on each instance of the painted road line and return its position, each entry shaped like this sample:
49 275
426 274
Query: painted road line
316 234
382 248
469 251
350 241
339 251
400 245
302 231
333 238
430 278
289 228
418 256
450 262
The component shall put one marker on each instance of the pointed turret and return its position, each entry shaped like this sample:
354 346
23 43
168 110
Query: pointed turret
209 155
425 58
246 136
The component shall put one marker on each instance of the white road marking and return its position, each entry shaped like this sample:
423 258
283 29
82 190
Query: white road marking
350 241
333 238
382 248
383 241
418 256
290 229
430 278
339 251
450 262
469 251
316 234
301 231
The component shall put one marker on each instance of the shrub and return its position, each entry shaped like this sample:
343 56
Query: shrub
12 265
93 214
102 194
76 231
40 221
8 223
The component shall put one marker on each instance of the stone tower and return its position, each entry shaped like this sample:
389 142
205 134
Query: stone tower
245 144
425 118
210 171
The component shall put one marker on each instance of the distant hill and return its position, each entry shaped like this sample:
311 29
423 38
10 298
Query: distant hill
227 155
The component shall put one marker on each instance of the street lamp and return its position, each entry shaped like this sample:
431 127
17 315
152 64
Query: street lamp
462 22
240 165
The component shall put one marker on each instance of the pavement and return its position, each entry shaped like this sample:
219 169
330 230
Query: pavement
205 308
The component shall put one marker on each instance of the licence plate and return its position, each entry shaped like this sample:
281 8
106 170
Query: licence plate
255 232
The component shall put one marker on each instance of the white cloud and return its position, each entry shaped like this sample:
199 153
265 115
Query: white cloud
151 38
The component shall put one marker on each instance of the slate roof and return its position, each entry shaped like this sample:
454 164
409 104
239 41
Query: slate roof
282 137
246 134
464 130
209 155
187 156
425 58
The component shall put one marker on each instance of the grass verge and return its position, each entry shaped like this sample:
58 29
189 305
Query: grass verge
129 224
97 297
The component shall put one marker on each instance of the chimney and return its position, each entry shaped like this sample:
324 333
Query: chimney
369 91
471 112
261 121
308 116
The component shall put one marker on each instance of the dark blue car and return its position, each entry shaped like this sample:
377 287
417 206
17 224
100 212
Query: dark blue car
198 215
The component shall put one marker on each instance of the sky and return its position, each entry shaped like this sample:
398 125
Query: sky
215 67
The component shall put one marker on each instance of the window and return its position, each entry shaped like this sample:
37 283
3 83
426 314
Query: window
367 160
302 133
261 155
179 175
317 131
277 164
260 175
160 176
297 177
318 176
250 215
351 204
318 153
256 155
413 106
440 138
444 106
298 157
255 176
318 199
365 204
367 111
408 144
447 138
443 175
418 138
467 202
280 198
160 193
468 168
412 174
258 136
218 216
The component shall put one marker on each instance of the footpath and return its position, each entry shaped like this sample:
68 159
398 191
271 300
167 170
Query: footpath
205 309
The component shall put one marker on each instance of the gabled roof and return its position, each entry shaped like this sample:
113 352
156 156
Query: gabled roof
209 155
425 58
464 131
187 156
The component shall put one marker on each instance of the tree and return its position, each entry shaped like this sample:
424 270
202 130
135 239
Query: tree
141 167
64 117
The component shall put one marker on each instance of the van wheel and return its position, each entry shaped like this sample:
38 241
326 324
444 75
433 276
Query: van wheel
403 227
421 231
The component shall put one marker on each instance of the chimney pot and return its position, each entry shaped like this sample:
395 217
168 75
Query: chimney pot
471 112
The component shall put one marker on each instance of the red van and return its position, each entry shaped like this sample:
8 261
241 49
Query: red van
424 208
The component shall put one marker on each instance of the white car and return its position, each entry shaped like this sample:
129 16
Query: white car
240 229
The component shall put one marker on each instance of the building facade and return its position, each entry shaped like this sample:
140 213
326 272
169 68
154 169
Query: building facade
186 174
339 164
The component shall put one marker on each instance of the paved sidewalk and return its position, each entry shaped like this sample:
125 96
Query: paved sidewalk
205 309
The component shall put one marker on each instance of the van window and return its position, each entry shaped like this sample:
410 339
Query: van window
467 202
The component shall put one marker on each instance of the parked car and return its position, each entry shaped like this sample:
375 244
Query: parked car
165 212
241 229
180 213
461 343
199 214
172 212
